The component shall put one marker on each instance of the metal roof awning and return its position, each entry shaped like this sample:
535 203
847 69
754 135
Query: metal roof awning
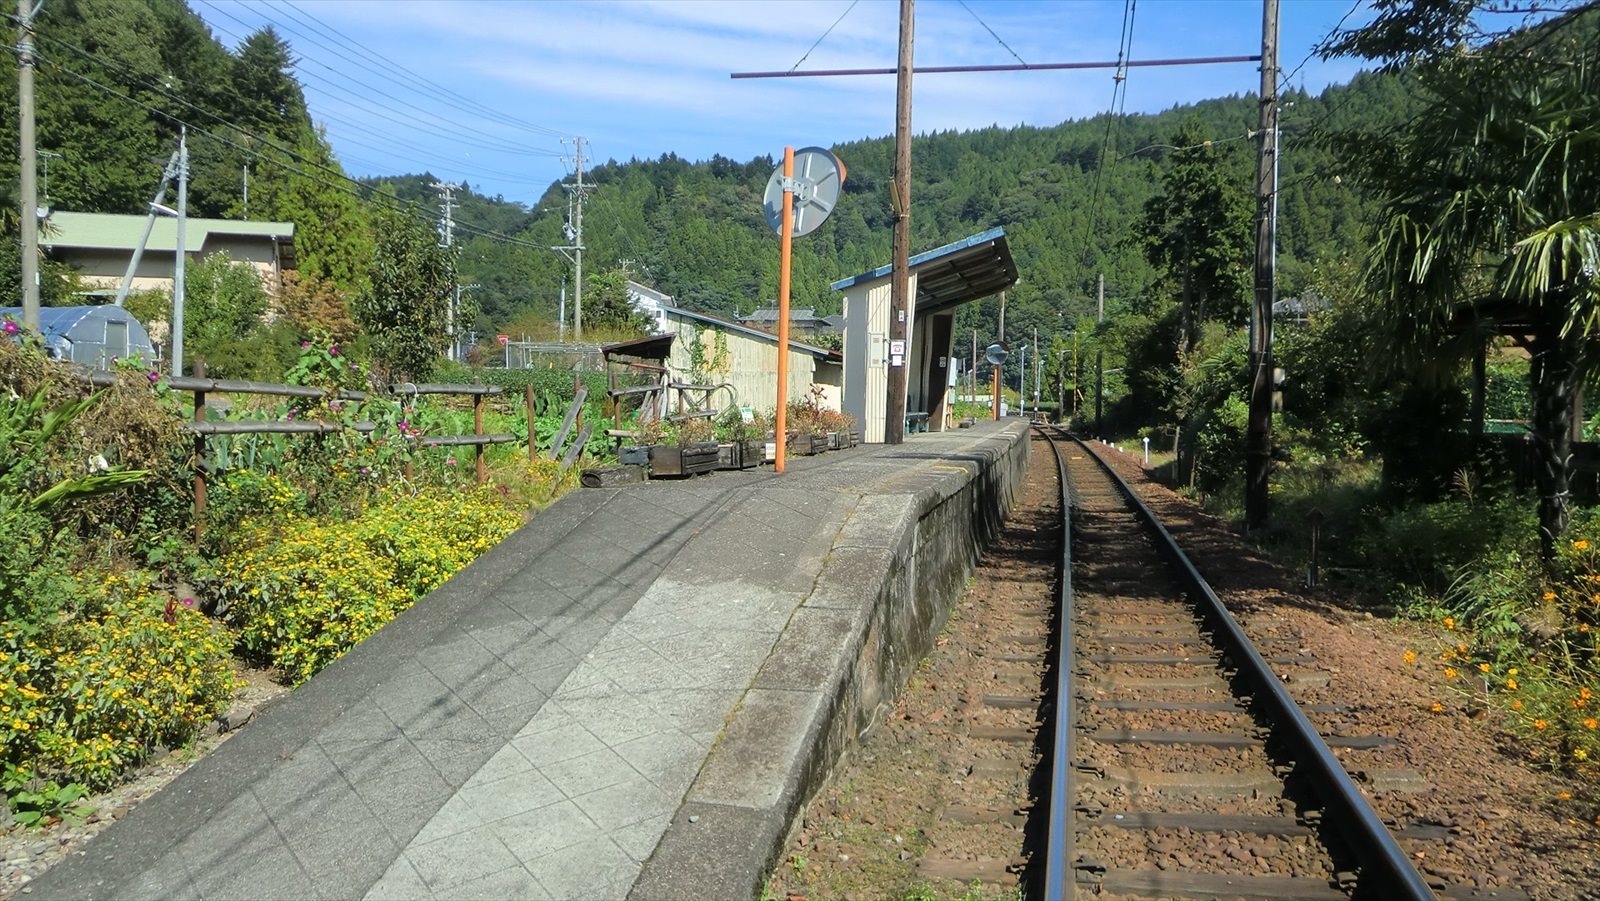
954 274
650 347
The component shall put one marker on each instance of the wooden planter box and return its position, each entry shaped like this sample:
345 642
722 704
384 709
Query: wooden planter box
804 446
744 454
688 460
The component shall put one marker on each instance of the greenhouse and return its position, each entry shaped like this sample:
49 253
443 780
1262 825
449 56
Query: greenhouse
93 336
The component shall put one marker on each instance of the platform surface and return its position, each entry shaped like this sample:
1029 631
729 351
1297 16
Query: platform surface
529 729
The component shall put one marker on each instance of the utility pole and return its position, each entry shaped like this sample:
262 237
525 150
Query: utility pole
561 314
167 175
1258 433
246 189
894 423
575 235
447 236
1099 354
1036 370
25 152
180 253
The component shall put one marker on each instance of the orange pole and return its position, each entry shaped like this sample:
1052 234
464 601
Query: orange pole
997 393
782 425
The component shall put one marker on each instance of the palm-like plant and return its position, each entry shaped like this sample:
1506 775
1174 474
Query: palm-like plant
1490 206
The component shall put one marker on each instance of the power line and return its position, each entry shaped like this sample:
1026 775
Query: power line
365 192
818 42
991 31
482 172
1119 96
487 141
431 85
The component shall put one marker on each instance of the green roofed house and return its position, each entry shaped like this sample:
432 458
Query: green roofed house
99 245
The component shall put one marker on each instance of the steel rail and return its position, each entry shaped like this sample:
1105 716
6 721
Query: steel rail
1382 860
1058 838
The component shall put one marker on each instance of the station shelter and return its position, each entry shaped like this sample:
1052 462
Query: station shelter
941 281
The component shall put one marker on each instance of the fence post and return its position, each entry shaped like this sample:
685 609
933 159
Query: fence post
528 401
199 454
477 429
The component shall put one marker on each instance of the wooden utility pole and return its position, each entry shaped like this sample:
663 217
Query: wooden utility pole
894 421
1099 354
1258 433
26 153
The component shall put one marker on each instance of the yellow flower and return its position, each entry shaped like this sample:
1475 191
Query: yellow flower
1449 672
1517 704
1540 724
1513 671
1581 544
1511 684
1437 707
1449 622
1580 754
1410 656
1591 724
1564 796
1483 667
1549 595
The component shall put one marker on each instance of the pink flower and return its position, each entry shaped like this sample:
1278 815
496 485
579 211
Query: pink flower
10 327
450 461
188 602
333 350
305 345
153 377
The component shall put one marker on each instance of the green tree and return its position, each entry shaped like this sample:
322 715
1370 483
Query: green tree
606 304
1198 230
1490 203
405 304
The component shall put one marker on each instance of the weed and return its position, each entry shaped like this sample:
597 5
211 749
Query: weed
798 863
921 892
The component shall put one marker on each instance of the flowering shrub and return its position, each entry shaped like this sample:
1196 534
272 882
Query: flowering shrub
85 698
309 590
1534 653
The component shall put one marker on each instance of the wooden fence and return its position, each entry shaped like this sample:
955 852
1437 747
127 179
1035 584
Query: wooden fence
201 427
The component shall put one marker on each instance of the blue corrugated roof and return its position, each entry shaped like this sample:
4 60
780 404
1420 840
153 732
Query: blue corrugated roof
931 256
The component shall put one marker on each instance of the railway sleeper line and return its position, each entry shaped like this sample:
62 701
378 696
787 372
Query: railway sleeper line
1190 771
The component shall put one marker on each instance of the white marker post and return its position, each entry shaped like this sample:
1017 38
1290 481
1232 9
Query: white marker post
1147 451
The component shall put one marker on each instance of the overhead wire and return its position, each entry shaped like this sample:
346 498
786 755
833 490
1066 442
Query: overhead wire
1119 96
991 31
818 42
426 84
441 126
169 94
362 191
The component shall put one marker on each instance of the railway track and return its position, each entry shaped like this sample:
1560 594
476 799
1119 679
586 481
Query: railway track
1187 769
1184 768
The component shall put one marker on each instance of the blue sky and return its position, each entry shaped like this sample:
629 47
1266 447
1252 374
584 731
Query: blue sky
484 91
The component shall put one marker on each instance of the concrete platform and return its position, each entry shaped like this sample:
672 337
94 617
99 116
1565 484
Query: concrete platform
629 697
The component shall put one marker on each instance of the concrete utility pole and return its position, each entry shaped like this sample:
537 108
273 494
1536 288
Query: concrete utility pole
579 192
180 253
167 175
447 240
246 189
1258 432
894 422
26 140
1099 354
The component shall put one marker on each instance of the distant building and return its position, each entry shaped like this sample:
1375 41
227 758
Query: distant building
803 321
746 360
651 303
99 245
